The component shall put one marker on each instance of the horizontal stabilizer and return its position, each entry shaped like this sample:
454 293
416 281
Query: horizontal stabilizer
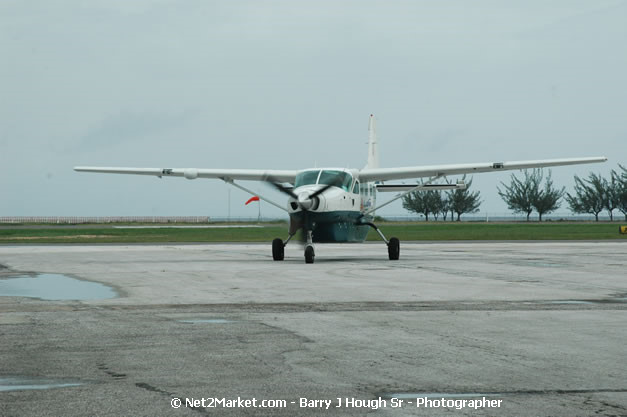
426 187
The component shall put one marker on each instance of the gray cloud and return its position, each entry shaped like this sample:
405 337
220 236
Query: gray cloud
278 84
124 127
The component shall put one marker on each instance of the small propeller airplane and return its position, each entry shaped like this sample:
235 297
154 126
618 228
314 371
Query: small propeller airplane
337 204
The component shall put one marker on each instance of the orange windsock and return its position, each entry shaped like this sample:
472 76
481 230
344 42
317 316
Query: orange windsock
251 199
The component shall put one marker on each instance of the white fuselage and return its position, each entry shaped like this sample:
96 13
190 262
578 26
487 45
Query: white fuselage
349 196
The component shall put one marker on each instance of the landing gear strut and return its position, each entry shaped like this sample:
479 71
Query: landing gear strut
394 245
278 248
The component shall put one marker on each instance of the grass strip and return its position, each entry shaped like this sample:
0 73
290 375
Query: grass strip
405 232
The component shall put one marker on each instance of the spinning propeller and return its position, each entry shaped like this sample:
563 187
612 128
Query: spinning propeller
305 200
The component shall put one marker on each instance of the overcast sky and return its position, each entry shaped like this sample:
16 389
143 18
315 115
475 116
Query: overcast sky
290 84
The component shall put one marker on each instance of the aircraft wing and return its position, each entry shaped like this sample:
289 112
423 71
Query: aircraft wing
193 173
385 174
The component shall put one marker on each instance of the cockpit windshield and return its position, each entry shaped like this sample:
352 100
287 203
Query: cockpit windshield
339 179
306 178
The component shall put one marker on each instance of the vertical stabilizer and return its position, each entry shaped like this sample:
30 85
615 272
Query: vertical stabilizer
373 147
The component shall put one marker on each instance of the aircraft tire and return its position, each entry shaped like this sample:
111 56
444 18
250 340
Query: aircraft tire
309 255
278 249
394 249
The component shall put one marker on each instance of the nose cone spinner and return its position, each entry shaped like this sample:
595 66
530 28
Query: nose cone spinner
304 201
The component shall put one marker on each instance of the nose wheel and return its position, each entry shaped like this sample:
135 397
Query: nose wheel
309 254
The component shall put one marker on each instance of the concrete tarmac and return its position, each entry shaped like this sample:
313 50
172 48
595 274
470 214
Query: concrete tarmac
539 328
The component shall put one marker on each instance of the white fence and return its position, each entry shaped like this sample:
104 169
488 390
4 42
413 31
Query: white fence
475 217
121 219
507 217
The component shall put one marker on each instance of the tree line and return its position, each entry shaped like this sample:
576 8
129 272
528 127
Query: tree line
595 194
532 192
441 203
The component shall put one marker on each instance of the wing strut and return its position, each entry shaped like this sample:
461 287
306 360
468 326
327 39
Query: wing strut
417 187
230 181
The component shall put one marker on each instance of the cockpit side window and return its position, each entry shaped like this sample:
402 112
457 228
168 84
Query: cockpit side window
356 188
306 178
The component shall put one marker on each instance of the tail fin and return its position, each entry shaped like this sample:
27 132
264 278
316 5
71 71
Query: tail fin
373 149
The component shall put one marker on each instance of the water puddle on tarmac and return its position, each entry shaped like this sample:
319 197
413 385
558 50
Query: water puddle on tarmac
210 321
54 287
19 384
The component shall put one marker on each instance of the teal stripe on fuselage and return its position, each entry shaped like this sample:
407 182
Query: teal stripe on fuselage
335 226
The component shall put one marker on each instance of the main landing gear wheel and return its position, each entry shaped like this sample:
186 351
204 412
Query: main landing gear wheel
394 249
309 254
394 245
278 249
